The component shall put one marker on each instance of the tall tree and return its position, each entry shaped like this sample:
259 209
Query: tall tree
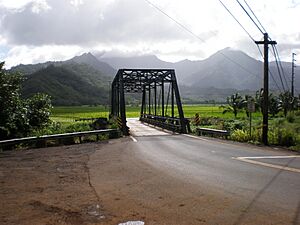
235 104
20 116
274 105
286 102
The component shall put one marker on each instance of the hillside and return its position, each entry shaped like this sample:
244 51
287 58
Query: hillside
226 69
91 60
86 58
66 86
86 79
220 71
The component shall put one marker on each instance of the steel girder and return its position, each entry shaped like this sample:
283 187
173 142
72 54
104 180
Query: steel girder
154 85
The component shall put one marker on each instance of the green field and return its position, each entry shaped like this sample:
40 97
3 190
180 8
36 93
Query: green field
68 114
282 131
71 113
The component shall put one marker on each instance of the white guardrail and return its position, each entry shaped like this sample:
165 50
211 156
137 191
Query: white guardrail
16 141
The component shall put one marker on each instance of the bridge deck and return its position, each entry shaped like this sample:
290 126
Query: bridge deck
138 129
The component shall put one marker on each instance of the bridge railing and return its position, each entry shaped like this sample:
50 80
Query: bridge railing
168 123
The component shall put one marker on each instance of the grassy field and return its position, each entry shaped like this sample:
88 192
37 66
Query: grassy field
282 131
70 114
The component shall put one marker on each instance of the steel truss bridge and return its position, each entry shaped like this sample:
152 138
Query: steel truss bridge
161 104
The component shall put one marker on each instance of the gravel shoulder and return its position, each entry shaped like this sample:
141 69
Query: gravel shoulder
48 186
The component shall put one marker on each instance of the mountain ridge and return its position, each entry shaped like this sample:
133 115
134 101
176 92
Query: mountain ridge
209 79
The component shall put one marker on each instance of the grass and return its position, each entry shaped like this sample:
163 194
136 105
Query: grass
212 114
69 114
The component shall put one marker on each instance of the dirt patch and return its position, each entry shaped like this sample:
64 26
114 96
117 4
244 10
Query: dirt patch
109 184
48 186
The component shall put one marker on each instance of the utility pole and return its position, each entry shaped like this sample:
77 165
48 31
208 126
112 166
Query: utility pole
266 42
293 72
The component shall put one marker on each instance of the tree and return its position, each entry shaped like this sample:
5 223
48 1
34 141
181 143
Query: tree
286 102
259 100
274 105
18 117
235 104
248 99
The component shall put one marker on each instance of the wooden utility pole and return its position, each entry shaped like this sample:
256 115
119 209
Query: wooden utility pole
266 42
293 72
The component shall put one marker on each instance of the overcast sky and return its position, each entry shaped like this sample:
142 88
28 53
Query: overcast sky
39 30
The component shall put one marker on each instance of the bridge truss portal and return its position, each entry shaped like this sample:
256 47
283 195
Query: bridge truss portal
161 103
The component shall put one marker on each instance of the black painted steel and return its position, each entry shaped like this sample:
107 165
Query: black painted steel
152 84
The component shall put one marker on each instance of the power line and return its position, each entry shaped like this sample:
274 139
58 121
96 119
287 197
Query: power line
263 30
198 37
249 16
255 16
274 80
237 20
280 64
174 20
279 73
269 69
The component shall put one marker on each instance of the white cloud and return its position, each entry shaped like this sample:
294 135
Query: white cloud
14 4
135 27
40 6
29 54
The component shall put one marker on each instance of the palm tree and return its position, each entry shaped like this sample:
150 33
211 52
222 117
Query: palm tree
274 105
248 100
259 100
286 102
235 104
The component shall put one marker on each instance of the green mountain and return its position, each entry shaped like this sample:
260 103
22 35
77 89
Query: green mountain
69 84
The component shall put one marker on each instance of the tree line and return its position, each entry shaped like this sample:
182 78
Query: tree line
284 102
20 116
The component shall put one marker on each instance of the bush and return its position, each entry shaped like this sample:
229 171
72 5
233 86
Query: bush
77 127
286 137
232 125
240 135
19 117
290 117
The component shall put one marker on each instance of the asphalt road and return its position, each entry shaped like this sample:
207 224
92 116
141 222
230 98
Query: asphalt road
219 182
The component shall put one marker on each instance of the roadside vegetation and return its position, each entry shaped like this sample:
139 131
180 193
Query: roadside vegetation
284 119
35 116
20 117
283 131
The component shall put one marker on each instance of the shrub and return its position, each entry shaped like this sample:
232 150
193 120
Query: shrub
77 127
232 125
290 117
19 117
240 135
286 137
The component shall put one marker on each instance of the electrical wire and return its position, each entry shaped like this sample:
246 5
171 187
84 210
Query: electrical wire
249 35
278 68
237 20
271 74
263 30
196 36
249 16
280 64
274 80
255 16
174 20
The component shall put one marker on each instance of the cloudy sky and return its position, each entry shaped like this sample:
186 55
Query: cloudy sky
39 30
